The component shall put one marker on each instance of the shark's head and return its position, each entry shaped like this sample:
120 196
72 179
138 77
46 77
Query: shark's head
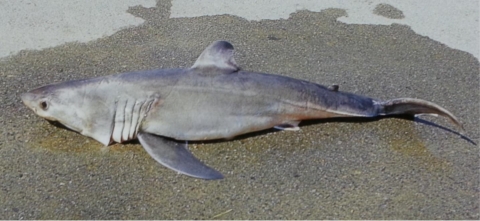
75 104
53 103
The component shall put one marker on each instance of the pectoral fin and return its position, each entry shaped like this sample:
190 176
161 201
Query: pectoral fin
176 156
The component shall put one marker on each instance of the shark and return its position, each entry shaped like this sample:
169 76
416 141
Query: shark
213 99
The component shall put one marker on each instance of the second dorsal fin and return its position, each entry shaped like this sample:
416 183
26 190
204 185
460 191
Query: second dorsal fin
333 87
219 54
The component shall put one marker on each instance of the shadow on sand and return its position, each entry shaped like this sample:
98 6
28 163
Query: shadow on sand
311 122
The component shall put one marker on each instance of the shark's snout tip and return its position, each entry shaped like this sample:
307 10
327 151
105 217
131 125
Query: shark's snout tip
25 96
27 99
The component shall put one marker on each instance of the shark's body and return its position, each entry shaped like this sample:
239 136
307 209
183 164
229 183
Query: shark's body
211 100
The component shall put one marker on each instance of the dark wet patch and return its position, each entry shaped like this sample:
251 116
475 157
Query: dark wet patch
55 137
388 11
403 139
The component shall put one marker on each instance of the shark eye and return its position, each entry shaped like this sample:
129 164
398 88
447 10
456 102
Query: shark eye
44 105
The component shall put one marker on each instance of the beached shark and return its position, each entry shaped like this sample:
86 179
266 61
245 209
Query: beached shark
213 99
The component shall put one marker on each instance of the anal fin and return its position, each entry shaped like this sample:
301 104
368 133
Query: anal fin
176 156
290 125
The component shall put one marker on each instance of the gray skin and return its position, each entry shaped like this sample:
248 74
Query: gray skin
211 100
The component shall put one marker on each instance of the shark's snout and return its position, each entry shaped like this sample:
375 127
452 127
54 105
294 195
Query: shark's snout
28 99
24 96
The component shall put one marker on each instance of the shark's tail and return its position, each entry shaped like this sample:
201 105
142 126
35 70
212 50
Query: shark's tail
411 106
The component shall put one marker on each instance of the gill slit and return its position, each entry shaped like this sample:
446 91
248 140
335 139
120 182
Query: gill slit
149 106
139 120
123 120
112 127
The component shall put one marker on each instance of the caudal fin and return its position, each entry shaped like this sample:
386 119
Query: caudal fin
413 106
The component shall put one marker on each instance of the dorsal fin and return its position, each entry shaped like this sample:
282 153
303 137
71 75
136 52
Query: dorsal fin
219 54
333 87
